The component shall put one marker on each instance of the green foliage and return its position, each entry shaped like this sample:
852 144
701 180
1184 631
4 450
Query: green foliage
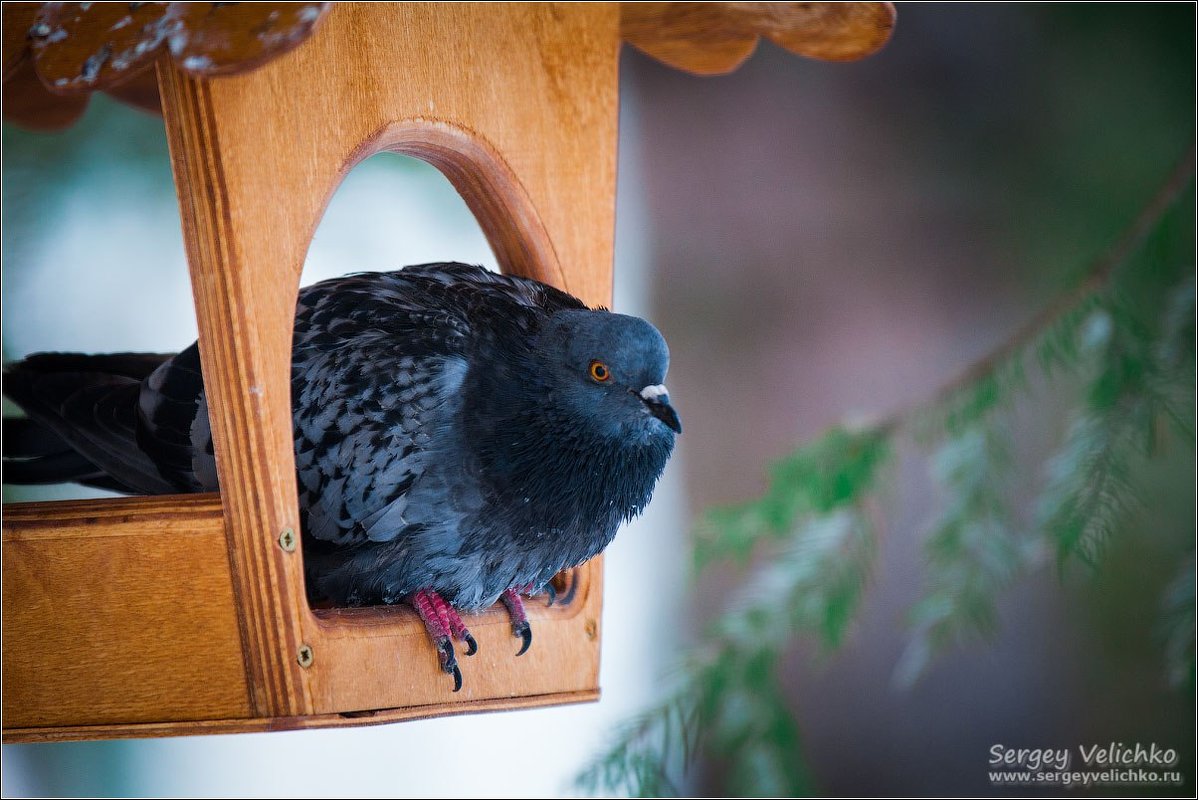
812 585
974 551
727 701
648 747
1141 363
1177 626
1137 371
1121 346
817 478
1057 346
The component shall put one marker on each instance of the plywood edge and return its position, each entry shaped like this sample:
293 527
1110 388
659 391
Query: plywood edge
267 724
114 516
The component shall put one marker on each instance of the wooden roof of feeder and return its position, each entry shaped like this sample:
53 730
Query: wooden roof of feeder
56 54
186 614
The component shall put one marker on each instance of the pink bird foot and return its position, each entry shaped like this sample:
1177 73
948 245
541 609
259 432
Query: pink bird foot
443 625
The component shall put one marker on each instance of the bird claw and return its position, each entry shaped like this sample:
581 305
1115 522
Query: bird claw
552 594
522 630
471 644
515 609
449 661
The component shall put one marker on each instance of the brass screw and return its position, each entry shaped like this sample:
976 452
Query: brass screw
592 629
304 656
287 540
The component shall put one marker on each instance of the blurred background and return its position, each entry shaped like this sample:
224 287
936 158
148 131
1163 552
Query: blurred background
818 243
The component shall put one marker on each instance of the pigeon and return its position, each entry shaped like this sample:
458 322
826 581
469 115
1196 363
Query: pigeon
461 436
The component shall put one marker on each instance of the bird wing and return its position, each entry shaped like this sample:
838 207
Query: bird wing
364 436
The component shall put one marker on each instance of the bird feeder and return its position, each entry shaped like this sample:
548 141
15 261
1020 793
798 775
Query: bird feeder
187 614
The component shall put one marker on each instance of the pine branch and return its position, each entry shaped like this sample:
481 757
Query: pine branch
974 552
1089 491
814 479
646 749
1076 301
1139 380
1138 376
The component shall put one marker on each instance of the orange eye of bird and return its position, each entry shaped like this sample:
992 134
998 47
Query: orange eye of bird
600 372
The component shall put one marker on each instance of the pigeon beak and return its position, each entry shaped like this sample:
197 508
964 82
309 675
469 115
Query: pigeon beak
657 400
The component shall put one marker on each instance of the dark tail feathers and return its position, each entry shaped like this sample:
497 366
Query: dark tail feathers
82 413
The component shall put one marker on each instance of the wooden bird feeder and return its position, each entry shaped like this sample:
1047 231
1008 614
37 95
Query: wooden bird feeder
187 614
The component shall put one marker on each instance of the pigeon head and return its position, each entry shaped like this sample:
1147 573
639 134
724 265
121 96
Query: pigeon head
577 419
610 370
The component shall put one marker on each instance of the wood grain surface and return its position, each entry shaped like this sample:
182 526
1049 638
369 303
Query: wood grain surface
119 612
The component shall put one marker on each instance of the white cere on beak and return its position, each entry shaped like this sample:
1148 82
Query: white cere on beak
653 393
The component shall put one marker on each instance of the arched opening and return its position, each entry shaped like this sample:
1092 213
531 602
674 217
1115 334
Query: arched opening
390 211
487 186
426 193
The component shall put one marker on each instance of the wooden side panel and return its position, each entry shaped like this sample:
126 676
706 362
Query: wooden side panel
245 308
119 612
